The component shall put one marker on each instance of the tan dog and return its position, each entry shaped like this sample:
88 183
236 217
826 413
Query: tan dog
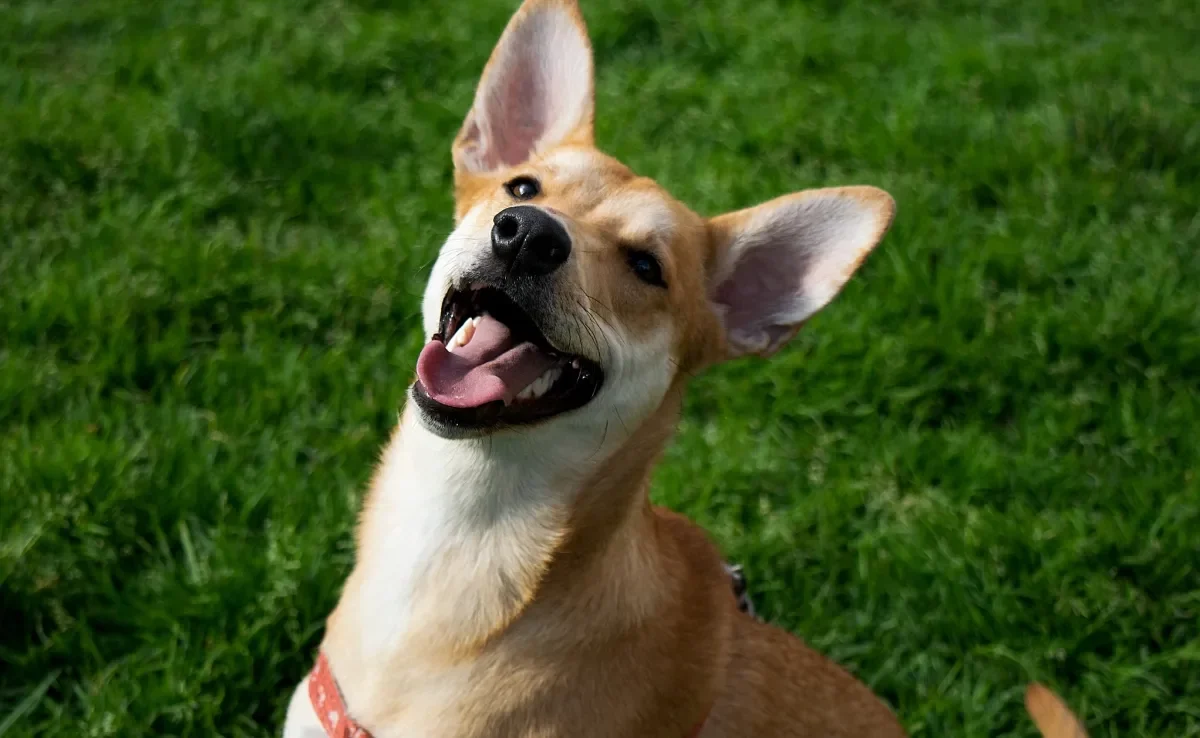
512 577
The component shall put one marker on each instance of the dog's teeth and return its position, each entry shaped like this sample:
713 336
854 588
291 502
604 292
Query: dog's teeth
545 382
463 336
539 386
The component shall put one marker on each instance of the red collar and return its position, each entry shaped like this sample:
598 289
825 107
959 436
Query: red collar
327 702
330 708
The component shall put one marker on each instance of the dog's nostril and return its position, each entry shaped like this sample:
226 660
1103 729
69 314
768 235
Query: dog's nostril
507 227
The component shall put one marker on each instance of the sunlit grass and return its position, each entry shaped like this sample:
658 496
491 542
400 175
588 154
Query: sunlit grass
978 467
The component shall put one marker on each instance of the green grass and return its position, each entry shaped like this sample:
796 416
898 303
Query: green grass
978 467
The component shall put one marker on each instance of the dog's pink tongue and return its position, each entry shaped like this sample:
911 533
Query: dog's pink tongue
492 366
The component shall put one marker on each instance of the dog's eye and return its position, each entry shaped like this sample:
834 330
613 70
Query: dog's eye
645 266
523 188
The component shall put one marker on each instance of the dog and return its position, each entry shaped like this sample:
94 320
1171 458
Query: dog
512 578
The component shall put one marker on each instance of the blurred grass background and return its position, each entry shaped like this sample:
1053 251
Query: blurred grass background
978 467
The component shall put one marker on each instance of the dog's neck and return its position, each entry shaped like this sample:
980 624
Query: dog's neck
459 538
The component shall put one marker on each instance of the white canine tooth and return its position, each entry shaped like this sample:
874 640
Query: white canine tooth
463 336
545 382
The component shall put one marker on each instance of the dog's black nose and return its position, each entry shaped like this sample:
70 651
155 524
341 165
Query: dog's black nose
529 241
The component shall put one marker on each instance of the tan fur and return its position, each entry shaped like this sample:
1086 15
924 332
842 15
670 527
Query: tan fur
1052 717
582 610
637 599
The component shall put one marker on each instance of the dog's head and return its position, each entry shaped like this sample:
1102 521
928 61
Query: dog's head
574 294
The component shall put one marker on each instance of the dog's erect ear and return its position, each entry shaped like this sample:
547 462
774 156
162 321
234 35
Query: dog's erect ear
780 262
536 91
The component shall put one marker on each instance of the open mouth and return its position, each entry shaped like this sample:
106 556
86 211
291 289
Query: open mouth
490 365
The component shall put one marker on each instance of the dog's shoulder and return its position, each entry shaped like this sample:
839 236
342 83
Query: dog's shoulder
778 685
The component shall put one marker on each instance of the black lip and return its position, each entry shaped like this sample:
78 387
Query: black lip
580 381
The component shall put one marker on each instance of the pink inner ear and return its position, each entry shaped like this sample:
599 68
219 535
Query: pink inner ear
517 112
763 289
535 91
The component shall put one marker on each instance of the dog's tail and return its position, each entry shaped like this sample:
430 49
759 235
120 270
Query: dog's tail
1052 717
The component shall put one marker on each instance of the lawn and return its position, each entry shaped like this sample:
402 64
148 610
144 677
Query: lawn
978 467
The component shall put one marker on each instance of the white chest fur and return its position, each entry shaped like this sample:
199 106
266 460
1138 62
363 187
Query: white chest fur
453 540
